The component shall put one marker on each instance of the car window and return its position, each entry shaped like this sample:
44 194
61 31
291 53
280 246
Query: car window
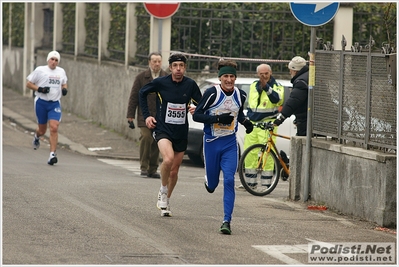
205 86
245 88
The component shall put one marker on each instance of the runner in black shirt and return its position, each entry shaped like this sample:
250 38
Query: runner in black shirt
174 92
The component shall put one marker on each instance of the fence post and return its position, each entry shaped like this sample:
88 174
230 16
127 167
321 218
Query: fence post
309 125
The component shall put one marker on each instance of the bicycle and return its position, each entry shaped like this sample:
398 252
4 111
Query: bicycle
265 160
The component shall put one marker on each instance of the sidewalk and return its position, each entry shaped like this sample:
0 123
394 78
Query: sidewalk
75 133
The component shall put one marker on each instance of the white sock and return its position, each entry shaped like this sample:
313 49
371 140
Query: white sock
52 154
164 189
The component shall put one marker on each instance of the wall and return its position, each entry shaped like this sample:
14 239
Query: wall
351 180
12 66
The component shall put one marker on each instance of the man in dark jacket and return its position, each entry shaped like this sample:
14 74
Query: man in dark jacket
149 152
297 103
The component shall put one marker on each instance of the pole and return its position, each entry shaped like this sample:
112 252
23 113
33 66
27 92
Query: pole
309 124
159 35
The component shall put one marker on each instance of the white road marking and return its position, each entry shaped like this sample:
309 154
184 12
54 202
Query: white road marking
99 148
130 165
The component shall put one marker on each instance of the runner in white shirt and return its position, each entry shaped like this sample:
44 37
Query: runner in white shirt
49 83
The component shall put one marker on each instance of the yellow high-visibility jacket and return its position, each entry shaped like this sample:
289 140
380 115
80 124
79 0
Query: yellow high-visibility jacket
263 103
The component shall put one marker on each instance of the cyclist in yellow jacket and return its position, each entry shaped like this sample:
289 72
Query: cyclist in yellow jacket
265 96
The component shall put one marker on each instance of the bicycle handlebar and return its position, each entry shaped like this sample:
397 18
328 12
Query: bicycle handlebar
265 125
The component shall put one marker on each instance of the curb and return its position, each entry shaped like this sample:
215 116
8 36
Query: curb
31 126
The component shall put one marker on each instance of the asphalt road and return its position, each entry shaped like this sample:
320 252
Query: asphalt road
87 210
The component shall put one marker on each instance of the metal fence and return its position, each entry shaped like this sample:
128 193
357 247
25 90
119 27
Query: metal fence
355 98
245 33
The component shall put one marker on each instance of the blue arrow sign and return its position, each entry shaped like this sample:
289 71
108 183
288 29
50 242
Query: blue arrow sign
314 14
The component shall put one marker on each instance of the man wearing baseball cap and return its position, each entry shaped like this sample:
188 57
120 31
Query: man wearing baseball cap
49 82
297 103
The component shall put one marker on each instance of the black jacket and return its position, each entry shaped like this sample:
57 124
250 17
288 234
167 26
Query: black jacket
297 103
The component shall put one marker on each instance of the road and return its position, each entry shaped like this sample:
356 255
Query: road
88 210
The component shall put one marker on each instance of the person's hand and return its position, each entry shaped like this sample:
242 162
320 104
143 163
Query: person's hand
64 91
268 89
43 90
191 109
150 122
279 120
131 125
249 126
225 118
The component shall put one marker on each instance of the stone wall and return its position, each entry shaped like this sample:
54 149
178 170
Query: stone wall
351 180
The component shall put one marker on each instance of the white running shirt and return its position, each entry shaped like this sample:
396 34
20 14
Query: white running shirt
43 76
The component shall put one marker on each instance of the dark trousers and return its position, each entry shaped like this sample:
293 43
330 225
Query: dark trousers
301 127
149 152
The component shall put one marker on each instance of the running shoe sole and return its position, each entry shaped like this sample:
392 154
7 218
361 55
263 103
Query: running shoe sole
225 229
166 213
53 161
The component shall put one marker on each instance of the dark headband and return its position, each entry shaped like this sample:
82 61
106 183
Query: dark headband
178 57
227 70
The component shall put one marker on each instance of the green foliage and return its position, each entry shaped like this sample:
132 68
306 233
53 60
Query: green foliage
6 22
377 20
18 24
117 33
142 35
92 29
68 30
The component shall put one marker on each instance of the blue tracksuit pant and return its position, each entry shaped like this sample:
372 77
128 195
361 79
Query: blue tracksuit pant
221 154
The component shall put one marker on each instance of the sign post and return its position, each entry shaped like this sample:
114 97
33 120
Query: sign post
312 14
161 11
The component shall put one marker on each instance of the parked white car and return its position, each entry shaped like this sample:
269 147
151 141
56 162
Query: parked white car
195 134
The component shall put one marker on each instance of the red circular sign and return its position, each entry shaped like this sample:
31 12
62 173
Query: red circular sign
160 10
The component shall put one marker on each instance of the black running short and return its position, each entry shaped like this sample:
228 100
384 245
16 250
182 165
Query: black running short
179 145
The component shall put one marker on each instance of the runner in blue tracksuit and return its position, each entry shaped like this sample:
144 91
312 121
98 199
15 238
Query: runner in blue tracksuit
220 109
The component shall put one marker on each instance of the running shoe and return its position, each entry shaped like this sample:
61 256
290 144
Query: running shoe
225 228
242 188
208 189
52 159
36 143
154 175
166 212
162 203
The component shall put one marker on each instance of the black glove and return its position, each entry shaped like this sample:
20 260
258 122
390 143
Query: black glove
43 90
268 89
131 125
224 118
280 119
64 91
248 125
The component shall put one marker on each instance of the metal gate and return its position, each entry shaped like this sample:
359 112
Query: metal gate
355 98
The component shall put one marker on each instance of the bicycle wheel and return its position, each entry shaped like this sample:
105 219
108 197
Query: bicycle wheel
254 166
